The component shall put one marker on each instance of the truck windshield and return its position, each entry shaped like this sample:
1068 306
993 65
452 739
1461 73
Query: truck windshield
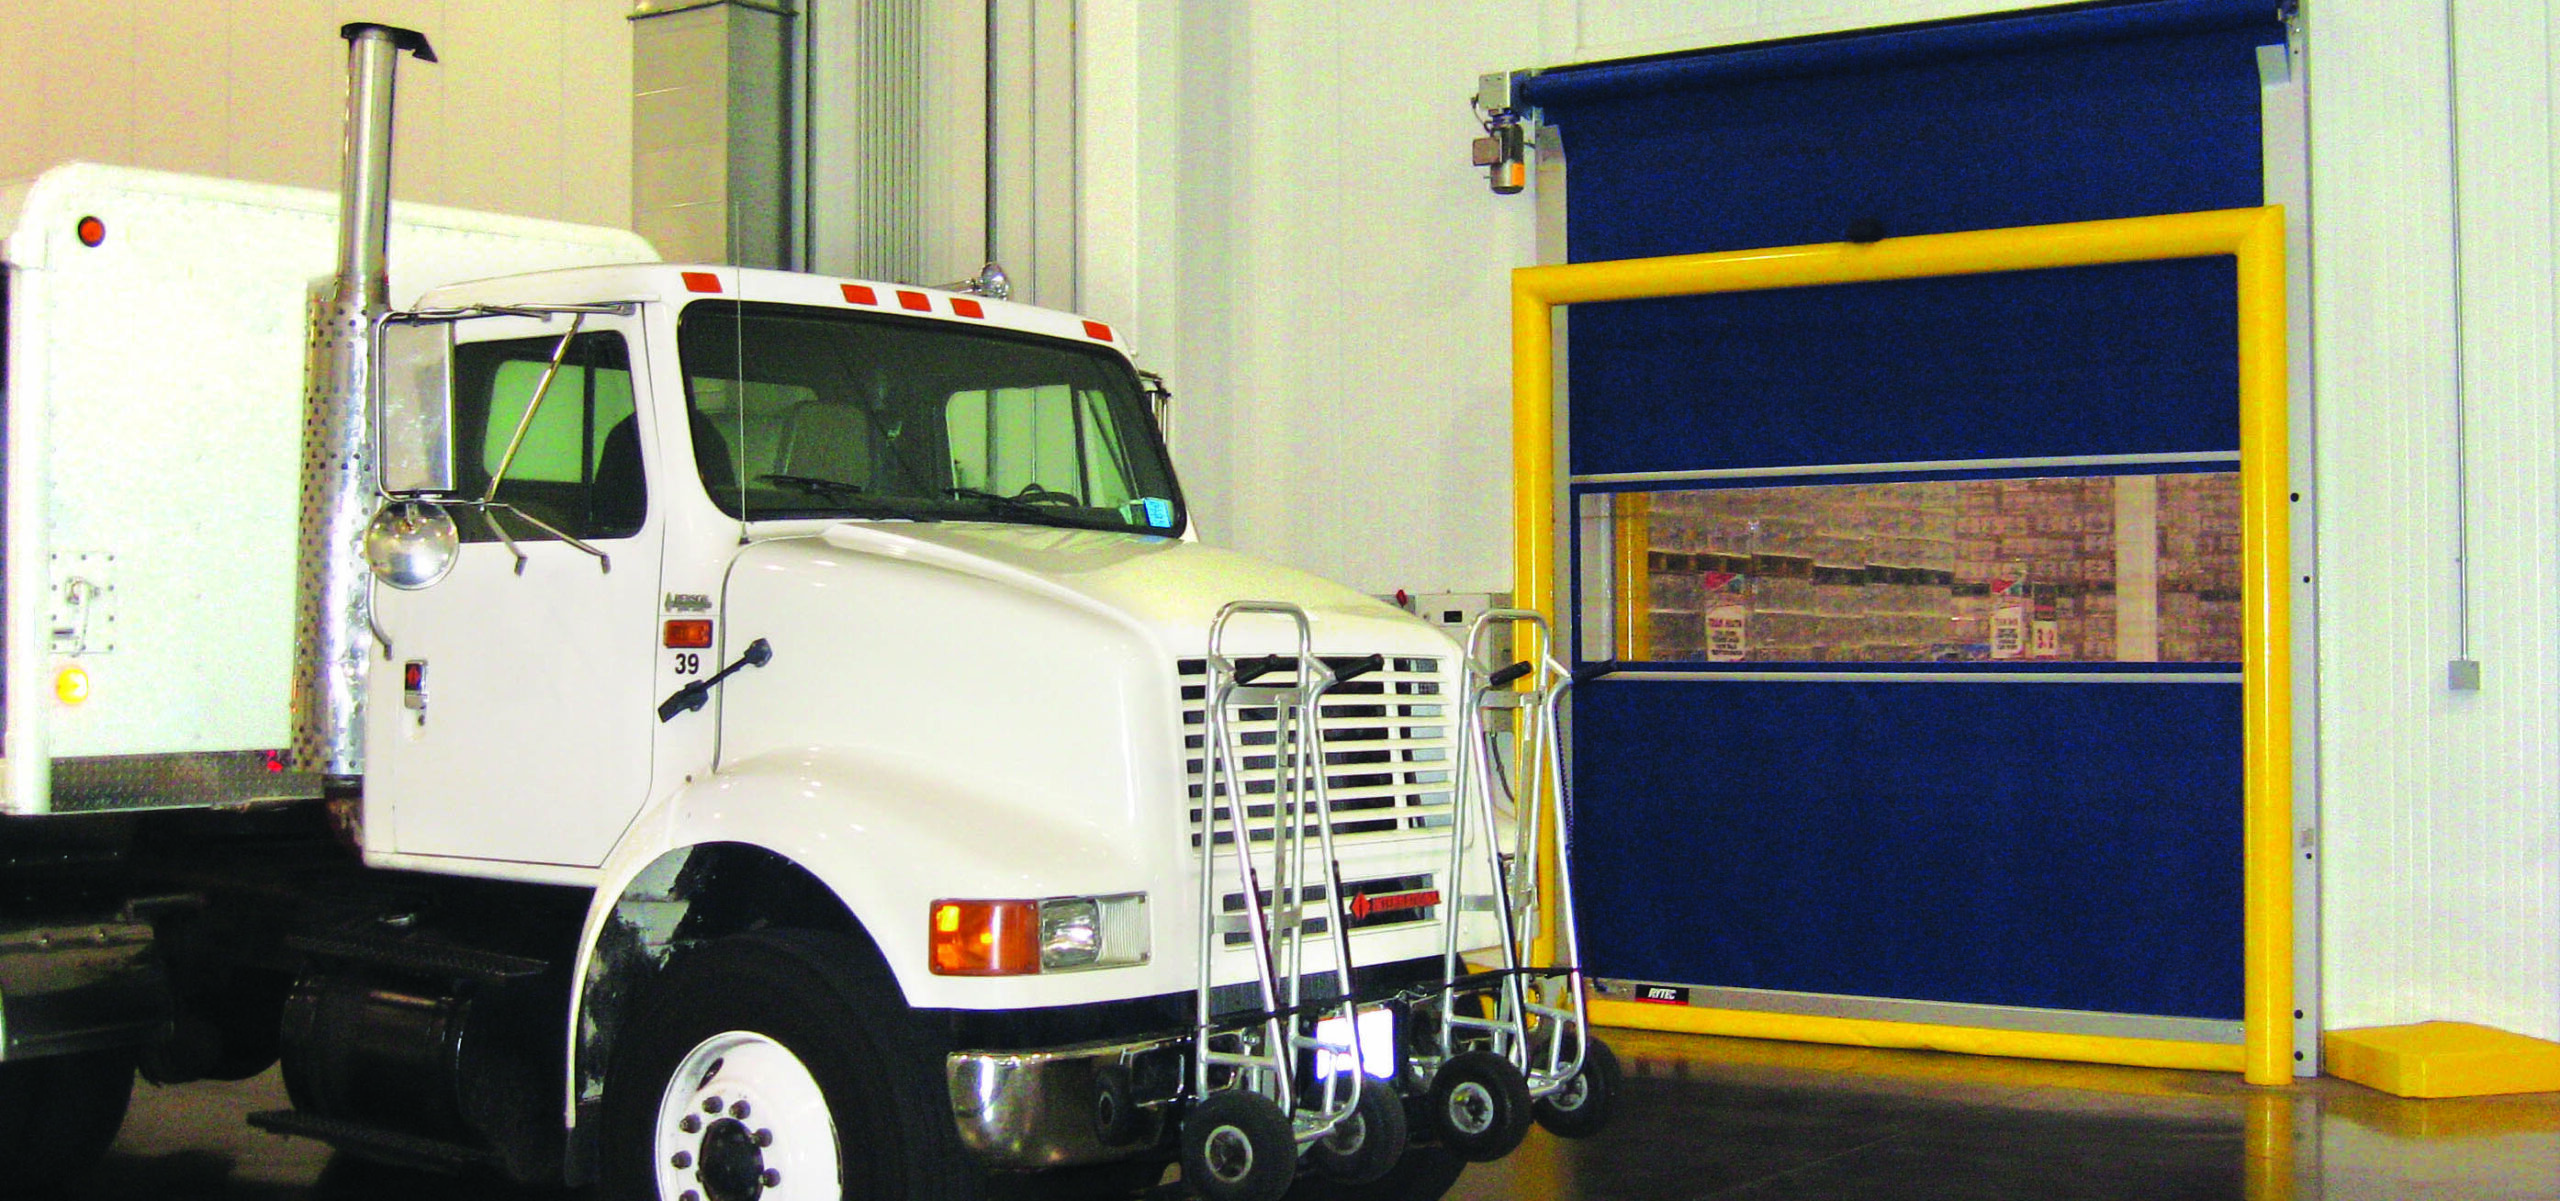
808 412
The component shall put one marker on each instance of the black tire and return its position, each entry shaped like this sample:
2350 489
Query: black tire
1368 1142
59 1114
1424 1174
828 1002
1237 1146
1585 1104
1480 1104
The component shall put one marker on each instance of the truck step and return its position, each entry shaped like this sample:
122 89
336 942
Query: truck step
376 1143
426 959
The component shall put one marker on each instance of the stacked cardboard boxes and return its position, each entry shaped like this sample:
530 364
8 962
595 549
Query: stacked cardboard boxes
1946 570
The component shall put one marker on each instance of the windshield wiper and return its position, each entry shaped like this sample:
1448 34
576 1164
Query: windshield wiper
1037 506
1017 503
813 484
848 496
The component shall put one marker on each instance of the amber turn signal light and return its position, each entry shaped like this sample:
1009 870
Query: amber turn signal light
986 938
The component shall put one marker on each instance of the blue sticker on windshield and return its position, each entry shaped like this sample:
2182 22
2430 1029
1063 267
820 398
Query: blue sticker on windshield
1154 511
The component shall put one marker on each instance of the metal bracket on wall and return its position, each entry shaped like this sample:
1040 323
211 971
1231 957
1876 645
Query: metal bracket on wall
1504 150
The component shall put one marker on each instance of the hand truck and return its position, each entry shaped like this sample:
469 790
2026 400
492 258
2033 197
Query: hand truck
1513 1040
1250 1118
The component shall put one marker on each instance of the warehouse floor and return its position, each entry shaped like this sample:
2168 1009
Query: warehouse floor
1724 1118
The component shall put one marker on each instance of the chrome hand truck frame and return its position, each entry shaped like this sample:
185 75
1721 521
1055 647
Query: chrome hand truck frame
1521 1029
1244 1079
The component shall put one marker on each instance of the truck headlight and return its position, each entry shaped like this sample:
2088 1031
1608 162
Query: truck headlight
1054 934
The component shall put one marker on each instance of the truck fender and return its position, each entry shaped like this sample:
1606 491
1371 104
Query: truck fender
851 841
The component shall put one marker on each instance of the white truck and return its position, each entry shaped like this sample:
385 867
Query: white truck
718 733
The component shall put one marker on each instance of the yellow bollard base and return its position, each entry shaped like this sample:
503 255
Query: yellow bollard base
2443 1059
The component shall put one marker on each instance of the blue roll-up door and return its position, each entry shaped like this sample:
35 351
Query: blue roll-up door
1911 830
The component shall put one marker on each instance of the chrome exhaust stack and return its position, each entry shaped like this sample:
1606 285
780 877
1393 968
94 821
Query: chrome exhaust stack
333 613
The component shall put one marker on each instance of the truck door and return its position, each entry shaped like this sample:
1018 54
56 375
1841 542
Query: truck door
512 719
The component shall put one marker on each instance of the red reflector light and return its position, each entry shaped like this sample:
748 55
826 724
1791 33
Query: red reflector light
962 306
689 633
413 675
985 938
92 231
860 294
701 281
1097 331
916 301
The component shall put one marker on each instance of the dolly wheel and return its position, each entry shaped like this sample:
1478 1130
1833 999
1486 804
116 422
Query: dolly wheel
1480 1102
1237 1146
1367 1142
1586 1103
1115 1106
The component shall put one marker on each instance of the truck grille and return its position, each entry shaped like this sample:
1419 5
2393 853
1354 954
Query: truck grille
1387 739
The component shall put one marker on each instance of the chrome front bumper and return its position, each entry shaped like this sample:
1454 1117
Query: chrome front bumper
1037 1109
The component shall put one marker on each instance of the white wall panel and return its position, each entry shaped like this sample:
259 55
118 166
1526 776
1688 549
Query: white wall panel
1330 297
2440 822
528 113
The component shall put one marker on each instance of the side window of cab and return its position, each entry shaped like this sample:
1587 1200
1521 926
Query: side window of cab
577 467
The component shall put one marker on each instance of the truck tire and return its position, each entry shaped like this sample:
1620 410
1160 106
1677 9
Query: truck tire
773 1056
58 1115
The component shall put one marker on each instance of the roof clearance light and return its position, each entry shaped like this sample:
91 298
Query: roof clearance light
986 938
689 634
92 231
915 301
701 281
860 294
962 306
1097 331
71 686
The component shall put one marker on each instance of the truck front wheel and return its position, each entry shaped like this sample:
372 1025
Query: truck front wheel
59 1114
773 1059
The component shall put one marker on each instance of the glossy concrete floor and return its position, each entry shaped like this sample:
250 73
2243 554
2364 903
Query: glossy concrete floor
1719 1118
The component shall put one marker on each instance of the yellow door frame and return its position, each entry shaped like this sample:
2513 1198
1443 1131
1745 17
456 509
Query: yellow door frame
2254 237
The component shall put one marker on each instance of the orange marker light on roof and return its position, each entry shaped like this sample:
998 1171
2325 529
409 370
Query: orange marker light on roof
985 938
92 231
1097 331
962 306
860 294
701 281
915 301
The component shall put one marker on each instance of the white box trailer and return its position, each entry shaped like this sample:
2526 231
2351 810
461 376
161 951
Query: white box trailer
707 731
157 343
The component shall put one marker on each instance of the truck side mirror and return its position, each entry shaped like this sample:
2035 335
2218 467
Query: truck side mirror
411 544
413 406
